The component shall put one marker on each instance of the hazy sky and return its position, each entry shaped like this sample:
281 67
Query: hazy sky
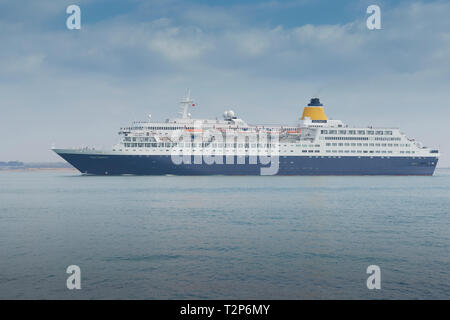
263 59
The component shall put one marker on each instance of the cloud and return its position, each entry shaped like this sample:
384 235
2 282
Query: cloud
414 37
153 50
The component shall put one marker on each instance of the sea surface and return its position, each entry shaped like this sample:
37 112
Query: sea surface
223 237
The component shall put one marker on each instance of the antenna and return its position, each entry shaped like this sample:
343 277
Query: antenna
185 103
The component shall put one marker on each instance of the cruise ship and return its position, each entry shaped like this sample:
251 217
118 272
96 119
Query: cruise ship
312 145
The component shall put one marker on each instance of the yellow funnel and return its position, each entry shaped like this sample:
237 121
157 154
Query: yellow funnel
314 110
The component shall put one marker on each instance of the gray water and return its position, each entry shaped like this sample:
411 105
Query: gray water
223 237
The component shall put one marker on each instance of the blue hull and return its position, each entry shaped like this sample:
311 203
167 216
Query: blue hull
291 165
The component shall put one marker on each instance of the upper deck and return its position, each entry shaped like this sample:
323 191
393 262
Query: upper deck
313 133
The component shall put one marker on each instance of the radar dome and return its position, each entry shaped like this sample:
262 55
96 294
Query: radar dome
228 114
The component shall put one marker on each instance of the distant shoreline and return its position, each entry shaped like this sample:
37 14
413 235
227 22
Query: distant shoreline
36 169
35 166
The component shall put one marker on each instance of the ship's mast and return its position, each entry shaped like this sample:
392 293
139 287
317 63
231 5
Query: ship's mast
185 103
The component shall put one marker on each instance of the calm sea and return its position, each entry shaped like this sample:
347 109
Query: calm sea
223 237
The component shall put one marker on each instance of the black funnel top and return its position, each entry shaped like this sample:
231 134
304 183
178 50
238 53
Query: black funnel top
315 102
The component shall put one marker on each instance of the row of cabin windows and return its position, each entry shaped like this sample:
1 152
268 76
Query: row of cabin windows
195 145
361 132
387 139
363 138
254 145
146 139
368 144
346 138
158 128
191 128
214 145
306 145
349 151
138 139
366 151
